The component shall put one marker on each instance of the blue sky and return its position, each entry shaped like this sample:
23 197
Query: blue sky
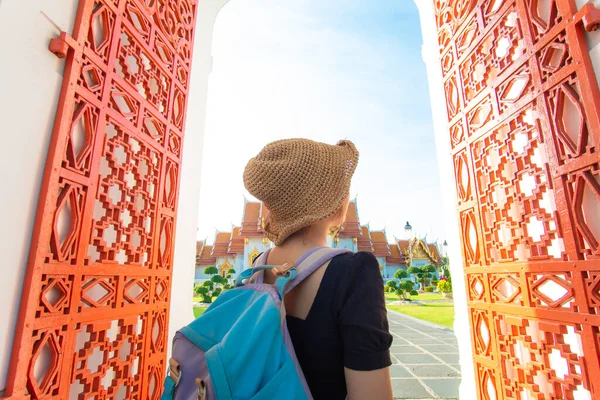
325 70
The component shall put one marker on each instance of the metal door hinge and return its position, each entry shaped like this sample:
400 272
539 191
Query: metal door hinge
60 46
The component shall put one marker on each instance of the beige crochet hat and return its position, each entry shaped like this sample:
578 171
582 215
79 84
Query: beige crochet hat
301 182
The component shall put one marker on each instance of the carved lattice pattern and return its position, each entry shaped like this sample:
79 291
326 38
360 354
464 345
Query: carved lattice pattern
94 313
523 110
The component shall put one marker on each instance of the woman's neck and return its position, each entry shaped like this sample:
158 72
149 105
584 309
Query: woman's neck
297 244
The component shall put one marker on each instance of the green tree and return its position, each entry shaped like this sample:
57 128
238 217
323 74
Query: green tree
401 274
422 274
212 287
392 284
209 284
405 287
219 280
230 275
206 292
201 290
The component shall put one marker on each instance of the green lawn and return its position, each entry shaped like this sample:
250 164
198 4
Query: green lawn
198 311
198 299
421 296
441 313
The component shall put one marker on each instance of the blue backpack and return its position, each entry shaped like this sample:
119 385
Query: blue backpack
240 347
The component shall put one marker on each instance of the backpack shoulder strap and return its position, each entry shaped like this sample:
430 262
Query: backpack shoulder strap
304 266
259 261
311 261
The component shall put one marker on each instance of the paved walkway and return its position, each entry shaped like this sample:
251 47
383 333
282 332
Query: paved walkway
425 359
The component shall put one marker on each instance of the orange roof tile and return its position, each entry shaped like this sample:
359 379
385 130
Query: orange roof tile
236 245
395 251
364 241
205 258
351 214
365 230
251 224
378 236
221 244
350 228
380 244
395 257
252 212
205 255
403 244
222 237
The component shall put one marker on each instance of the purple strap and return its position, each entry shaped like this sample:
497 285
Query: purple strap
311 261
305 265
260 261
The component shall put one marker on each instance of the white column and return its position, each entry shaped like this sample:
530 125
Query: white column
189 189
448 187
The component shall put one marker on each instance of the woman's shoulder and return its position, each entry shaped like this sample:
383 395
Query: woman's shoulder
350 273
360 259
348 266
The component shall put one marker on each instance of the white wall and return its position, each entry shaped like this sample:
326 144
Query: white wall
593 40
189 190
30 81
446 169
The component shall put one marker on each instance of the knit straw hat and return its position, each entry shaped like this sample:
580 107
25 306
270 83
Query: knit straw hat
301 182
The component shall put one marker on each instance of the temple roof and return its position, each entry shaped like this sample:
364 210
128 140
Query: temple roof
403 245
394 251
236 245
351 226
204 257
221 246
395 257
352 214
378 236
435 253
222 237
380 244
418 249
251 212
251 221
230 244
364 241
365 231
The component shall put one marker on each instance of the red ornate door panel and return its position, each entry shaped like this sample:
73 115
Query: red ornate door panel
95 305
523 109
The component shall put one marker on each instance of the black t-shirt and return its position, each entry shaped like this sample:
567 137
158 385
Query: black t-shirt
346 326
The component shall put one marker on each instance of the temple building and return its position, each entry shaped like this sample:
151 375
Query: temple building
236 249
